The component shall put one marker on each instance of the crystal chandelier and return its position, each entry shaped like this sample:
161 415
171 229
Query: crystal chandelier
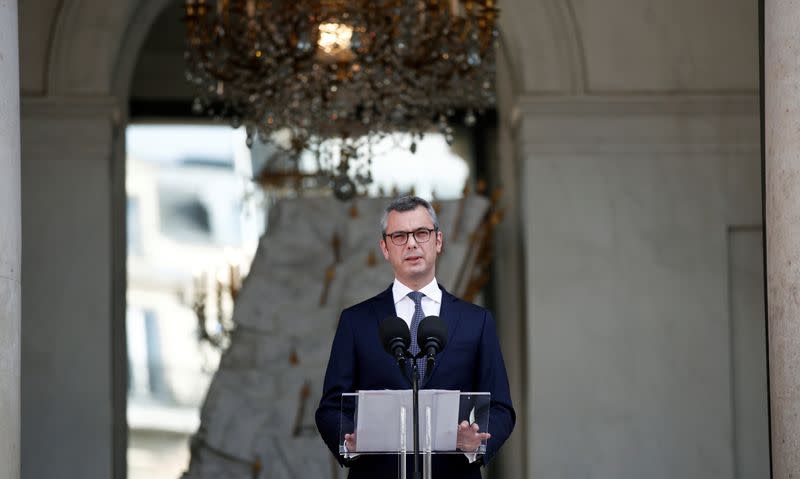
348 70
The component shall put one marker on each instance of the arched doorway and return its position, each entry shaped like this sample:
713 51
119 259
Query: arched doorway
90 70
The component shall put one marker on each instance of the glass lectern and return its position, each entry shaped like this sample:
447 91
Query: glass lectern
382 423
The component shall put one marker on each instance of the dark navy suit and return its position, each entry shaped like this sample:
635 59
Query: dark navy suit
471 361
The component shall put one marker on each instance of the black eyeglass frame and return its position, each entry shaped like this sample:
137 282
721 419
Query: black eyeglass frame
412 233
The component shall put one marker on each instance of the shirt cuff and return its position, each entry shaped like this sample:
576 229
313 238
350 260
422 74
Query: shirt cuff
348 454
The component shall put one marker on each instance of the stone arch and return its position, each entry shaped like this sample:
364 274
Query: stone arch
94 45
94 49
137 29
542 45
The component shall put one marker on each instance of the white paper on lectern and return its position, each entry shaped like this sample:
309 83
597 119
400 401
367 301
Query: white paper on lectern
378 427
444 418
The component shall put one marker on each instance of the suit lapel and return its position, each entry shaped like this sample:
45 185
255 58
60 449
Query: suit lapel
449 313
384 305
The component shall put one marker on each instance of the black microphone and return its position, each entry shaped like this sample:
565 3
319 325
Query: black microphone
432 338
396 338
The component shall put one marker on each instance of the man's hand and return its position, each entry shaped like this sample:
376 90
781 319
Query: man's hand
350 442
469 438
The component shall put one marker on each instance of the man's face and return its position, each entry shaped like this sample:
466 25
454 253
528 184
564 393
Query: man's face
414 263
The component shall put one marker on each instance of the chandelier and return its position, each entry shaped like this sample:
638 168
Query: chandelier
347 71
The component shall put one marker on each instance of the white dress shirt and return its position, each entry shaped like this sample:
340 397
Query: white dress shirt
404 306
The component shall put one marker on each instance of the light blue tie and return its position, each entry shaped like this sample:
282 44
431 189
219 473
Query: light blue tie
416 296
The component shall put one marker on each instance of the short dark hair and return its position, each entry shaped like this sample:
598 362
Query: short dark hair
408 203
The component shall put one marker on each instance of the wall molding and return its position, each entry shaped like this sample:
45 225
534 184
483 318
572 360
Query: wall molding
65 107
668 103
636 124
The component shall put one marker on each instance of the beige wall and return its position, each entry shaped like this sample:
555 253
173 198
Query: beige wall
634 153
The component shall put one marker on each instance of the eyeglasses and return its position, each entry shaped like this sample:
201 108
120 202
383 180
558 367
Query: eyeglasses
421 235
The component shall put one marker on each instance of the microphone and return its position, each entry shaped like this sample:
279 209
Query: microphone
432 338
395 338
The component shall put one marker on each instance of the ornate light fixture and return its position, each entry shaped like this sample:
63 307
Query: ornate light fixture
352 70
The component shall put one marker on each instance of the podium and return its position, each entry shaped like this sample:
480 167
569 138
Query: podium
382 423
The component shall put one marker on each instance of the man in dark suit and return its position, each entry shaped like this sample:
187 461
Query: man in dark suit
471 361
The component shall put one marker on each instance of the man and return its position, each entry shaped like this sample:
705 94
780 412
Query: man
471 361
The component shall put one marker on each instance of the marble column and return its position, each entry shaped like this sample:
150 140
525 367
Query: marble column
9 243
782 170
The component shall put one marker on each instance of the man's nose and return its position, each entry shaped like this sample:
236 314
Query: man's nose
411 242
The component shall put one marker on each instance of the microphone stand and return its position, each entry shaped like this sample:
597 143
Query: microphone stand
415 406
415 397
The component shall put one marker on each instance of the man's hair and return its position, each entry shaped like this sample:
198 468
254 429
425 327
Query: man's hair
408 203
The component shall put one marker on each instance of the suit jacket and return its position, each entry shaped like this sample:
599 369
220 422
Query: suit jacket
471 361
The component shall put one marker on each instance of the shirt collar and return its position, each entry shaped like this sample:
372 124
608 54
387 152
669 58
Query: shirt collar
430 290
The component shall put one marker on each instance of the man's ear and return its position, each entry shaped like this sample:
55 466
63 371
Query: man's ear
439 241
384 249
